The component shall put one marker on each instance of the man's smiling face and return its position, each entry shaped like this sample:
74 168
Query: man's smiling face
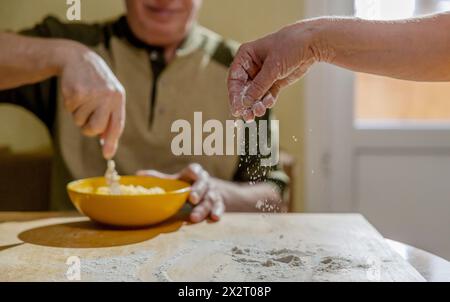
162 22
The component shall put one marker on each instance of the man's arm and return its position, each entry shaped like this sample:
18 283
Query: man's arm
25 60
211 196
90 90
243 197
414 49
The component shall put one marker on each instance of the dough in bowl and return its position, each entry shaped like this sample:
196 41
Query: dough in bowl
131 190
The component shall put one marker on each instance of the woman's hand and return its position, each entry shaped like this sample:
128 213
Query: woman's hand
413 49
263 67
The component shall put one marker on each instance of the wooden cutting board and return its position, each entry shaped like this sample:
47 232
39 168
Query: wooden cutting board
241 247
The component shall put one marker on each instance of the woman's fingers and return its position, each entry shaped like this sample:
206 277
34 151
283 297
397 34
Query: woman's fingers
269 101
259 109
248 115
262 83
242 70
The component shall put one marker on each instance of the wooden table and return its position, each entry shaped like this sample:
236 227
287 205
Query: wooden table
433 268
241 247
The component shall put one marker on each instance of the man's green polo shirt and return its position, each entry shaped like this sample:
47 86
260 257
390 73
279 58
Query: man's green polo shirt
157 95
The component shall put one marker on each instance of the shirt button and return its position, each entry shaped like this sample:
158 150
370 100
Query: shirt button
154 56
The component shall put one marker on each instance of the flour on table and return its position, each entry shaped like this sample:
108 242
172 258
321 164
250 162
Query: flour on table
122 268
255 262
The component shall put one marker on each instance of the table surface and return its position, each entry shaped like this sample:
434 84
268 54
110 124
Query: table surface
241 247
433 268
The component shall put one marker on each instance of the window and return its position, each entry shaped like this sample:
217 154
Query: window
381 98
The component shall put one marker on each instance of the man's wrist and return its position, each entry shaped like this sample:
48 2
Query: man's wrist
228 190
63 53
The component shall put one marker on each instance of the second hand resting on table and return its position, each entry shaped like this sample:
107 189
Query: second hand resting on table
416 49
211 196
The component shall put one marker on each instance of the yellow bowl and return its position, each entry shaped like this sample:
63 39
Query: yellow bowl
129 210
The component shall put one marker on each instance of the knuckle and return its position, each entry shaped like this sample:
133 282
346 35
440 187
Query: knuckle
108 93
276 86
195 168
213 196
257 88
69 103
114 96
204 174
87 131
202 210
79 90
67 92
78 121
244 48
200 188
71 90
94 126
206 206
275 66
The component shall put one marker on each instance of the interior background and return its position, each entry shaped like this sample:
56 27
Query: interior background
235 19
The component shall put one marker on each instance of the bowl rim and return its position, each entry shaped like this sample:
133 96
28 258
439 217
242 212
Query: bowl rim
70 188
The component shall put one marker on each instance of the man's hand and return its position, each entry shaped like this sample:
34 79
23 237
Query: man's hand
263 67
91 92
94 97
204 196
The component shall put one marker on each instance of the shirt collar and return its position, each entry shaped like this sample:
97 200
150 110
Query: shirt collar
192 42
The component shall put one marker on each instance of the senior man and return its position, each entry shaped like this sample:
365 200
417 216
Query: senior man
77 76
